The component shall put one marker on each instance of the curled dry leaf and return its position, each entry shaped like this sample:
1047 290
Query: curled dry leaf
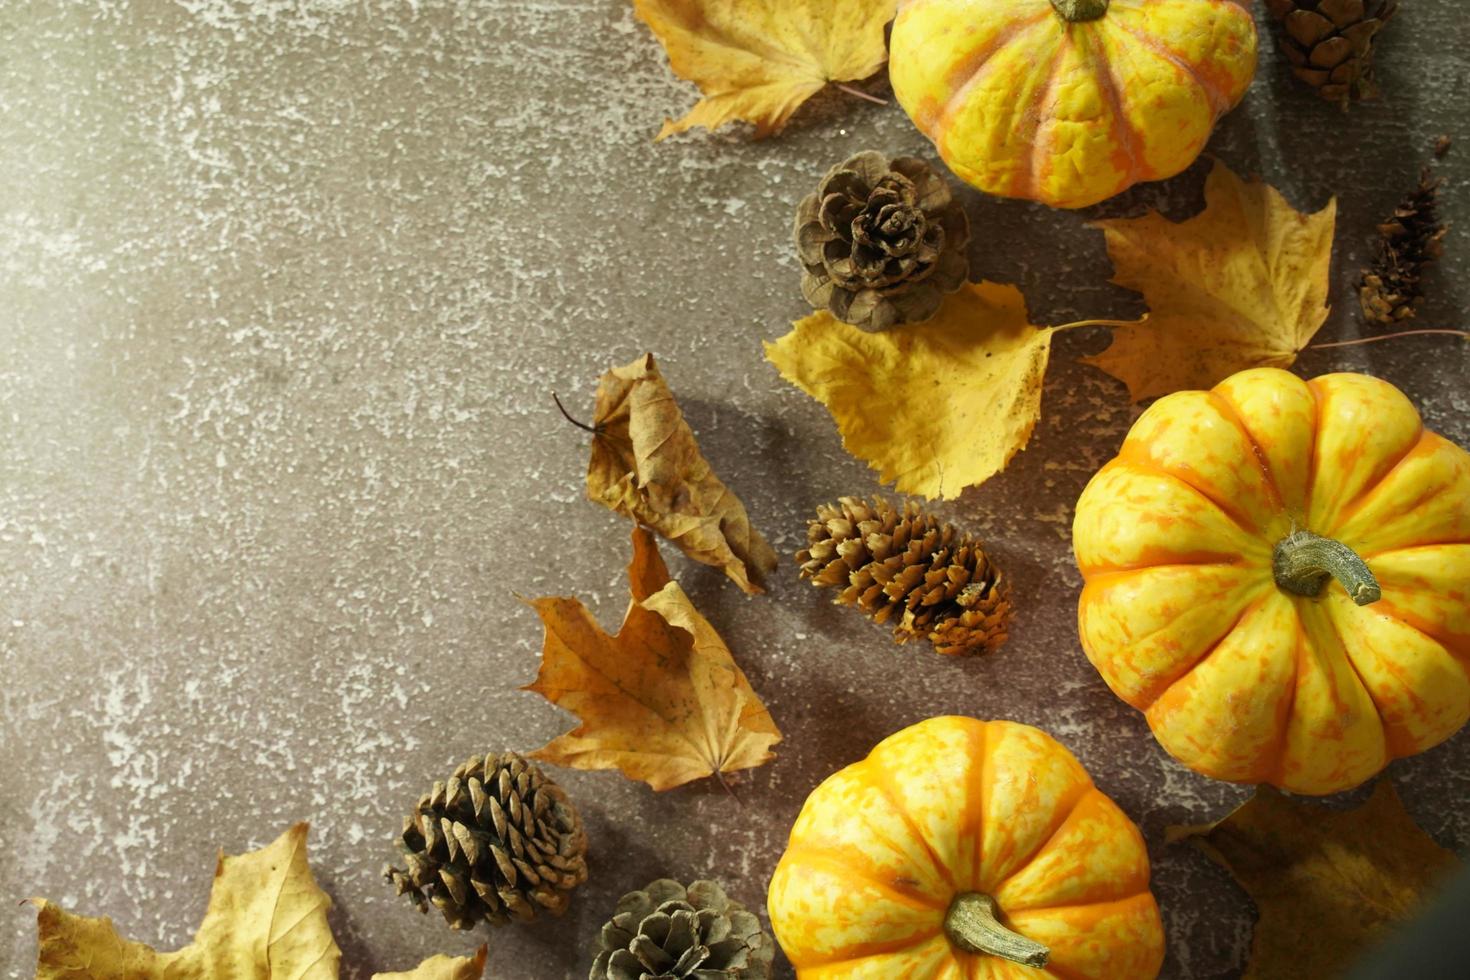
646 465
1327 883
662 701
266 918
757 61
936 406
1243 284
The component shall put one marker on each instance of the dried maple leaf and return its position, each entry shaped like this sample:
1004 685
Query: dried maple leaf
646 465
1327 883
758 60
936 406
1242 284
662 701
266 918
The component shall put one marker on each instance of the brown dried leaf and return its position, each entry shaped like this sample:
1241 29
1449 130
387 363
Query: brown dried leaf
662 701
646 465
1327 883
266 918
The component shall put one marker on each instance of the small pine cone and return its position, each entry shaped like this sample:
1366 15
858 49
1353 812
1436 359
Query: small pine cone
1329 43
1408 242
498 841
668 932
882 242
905 567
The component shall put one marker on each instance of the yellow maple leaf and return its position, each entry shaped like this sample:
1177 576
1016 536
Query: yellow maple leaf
1242 284
758 60
646 465
266 918
1327 883
935 406
662 701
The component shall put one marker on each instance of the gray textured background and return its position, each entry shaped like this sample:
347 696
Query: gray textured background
285 289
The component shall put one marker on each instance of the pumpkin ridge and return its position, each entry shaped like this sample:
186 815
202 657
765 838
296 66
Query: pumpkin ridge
973 68
884 782
1067 811
1123 133
1258 452
1130 456
856 865
1276 772
1307 609
1043 156
1456 646
972 824
1219 102
1325 613
857 952
1350 510
1144 892
1206 654
1316 385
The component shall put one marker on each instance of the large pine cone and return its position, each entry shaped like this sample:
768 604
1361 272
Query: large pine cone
497 841
882 242
1330 43
668 932
908 568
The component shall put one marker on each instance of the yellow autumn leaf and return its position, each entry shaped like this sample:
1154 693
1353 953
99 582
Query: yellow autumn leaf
646 465
758 60
1327 883
1243 284
936 406
266 918
662 701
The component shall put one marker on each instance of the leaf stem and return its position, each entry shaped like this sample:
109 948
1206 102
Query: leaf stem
859 93
1463 334
1102 323
568 416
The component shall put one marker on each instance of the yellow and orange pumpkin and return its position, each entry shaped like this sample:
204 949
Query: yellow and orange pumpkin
1069 102
1209 548
965 850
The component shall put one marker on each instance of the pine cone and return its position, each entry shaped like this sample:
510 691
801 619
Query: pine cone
1408 242
1330 43
497 841
905 567
882 242
668 932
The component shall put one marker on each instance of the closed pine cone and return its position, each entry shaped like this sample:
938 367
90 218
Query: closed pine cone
497 841
905 567
1329 43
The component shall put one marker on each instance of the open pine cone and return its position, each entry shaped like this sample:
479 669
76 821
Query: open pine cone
882 242
1329 43
1412 238
498 841
669 932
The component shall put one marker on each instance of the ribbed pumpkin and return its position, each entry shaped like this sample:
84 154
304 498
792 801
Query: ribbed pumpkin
960 849
1069 102
1209 548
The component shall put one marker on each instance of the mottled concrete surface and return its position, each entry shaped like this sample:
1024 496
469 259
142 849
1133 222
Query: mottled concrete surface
285 289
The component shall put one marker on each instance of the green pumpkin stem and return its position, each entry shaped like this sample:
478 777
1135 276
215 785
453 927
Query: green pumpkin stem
1303 562
1080 10
973 924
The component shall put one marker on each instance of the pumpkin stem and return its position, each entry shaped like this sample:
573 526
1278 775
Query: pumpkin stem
1303 562
1080 10
973 925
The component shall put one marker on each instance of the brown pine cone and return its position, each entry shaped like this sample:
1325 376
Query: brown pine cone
1330 43
1408 242
498 841
882 242
907 568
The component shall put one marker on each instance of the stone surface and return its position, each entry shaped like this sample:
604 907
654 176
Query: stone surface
285 288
